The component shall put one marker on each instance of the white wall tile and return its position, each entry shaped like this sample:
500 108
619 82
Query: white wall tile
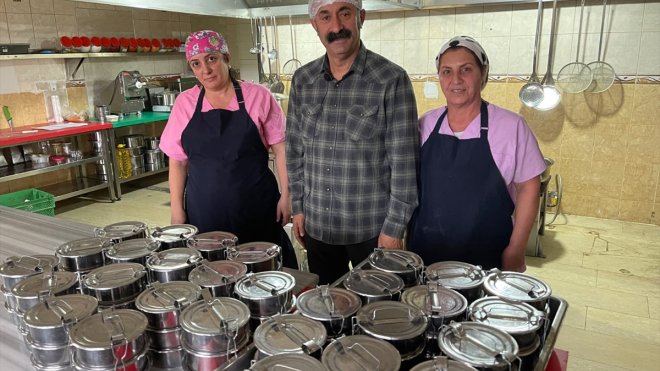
521 54
416 25
20 28
2 6
497 21
523 20
140 13
434 49
442 23
391 26
416 56
64 7
9 79
374 46
158 15
45 31
183 17
41 6
625 16
66 25
651 20
371 27
497 49
4 28
22 6
393 50
649 56
469 22
618 52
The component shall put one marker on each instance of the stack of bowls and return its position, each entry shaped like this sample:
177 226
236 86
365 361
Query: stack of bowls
48 325
116 285
135 147
163 305
154 158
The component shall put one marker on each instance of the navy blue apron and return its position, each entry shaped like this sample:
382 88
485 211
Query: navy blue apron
465 208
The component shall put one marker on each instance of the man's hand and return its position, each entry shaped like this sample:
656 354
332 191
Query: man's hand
299 228
388 242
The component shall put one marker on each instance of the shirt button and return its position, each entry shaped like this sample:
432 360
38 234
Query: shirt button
327 189
337 85
327 169
330 147
326 209
335 105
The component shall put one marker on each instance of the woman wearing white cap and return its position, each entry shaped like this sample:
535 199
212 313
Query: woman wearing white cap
480 165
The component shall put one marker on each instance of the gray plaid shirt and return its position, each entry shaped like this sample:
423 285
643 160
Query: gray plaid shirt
352 149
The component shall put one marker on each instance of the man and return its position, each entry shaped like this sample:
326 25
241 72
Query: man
352 146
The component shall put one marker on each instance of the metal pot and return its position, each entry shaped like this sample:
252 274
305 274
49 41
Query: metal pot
152 143
105 339
47 355
266 293
462 277
135 151
123 231
163 303
442 363
48 323
400 324
134 140
132 251
115 283
17 268
83 254
518 287
258 256
374 285
288 361
167 358
154 156
332 306
164 339
405 264
32 290
440 305
174 235
213 245
478 345
173 264
219 276
215 326
290 333
169 97
361 352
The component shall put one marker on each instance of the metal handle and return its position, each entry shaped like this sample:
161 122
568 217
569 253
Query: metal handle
161 294
307 345
62 309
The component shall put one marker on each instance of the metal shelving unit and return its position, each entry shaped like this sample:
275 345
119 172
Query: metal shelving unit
83 55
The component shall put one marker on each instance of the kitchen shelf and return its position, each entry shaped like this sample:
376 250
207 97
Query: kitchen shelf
83 55
73 188
143 175
28 169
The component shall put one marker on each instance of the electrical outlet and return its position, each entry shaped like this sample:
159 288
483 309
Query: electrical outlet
652 214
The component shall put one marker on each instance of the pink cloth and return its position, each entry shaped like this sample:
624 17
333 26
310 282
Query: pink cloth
205 42
513 145
260 104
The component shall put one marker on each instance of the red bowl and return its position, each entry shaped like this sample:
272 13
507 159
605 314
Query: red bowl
114 42
66 41
124 42
177 43
105 42
85 41
156 43
76 41
96 41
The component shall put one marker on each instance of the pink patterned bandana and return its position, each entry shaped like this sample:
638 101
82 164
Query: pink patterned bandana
205 41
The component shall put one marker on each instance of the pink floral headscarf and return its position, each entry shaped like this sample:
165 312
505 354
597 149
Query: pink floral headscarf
205 41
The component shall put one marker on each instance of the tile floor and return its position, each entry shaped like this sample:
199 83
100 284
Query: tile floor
608 271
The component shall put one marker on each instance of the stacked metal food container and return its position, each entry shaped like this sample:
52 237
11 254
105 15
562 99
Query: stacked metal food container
134 149
98 144
154 158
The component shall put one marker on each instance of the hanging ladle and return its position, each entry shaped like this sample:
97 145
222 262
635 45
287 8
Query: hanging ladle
255 48
551 95
531 94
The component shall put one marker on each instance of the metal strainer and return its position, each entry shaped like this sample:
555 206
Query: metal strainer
603 73
575 77
531 94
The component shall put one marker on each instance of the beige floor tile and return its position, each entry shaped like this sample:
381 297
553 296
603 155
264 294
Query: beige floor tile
638 266
576 316
538 267
654 307
628 283
624 326
576 363
587 296
566 240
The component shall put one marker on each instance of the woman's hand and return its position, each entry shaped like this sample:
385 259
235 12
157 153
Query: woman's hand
283 210
513 259
178 216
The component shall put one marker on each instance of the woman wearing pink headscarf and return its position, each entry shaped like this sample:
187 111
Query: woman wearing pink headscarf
217 139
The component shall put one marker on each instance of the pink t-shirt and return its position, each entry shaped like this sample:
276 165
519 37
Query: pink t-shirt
513 145
259 103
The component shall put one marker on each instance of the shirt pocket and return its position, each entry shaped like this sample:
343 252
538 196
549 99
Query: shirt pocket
310 116
361 122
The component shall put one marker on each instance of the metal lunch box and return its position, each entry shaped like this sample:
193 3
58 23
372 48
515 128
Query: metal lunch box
132 251
374 285
440 304
290 333
529 355
34 289
163 303
152 143
10 300
140 362
154 156
173 235
134 140
442 363
400 324
115 283
359 353
405 264
462 277
106 339
167 358
49 322
518 287
62 367
123 231
266 293
164 339
215 326
478 345
172 264
519 320
219 276
204 361
213 245
47 355
288 361
83 254
332 306
17 268
258 256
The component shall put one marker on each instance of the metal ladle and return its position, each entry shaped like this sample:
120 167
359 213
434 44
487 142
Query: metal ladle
551 95
531 94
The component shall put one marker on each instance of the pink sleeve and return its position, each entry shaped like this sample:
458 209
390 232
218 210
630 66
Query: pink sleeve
265 112
529 160
182 111
427 123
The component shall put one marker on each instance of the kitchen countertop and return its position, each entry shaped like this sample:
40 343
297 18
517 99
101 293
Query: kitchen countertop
144 118
17 136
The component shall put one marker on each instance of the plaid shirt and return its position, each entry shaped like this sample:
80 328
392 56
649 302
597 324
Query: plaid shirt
352 149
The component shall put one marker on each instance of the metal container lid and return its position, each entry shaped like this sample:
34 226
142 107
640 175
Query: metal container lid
327 303
57 311
395 261
113 276
82 247
216 316
173 259
210 241
264 285
391 320
516 286
123 229
442 363
373 282
288 361
44 283
132 249
253 252
217 273
167 297
477 344
290 333
455 275
24 266
108 329
435 300
174 233
359 353
513 318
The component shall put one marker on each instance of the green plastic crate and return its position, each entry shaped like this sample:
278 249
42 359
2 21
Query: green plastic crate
32 200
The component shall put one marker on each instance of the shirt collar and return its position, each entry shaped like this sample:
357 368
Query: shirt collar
358 64
473 130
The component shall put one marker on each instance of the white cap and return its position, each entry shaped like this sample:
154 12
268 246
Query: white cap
315 5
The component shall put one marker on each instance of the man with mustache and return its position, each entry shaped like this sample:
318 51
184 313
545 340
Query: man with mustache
351 141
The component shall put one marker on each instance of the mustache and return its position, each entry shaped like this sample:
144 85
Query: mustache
342 34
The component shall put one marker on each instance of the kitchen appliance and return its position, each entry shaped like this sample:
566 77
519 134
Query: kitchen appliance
152 92
129 93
